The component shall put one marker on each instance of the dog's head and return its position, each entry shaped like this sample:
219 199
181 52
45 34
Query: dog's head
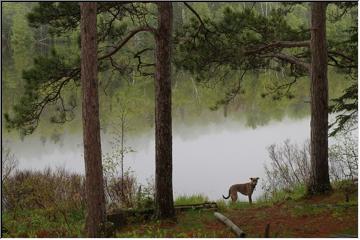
254 181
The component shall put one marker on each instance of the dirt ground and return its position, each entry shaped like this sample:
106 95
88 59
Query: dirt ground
316 217
285 224
320 216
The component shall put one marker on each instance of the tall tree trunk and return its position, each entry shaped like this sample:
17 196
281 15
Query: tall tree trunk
319 177
95 198
164 204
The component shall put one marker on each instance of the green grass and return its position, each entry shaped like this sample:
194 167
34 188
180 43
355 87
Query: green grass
339 185
42 223
307 210
157 232
192 199
239 205
189 224
192 223
222 205
296 193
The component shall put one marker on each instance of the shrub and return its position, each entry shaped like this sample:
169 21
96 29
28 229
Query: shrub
343 157
289 169
47 189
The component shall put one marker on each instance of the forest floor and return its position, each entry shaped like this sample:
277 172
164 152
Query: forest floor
319 216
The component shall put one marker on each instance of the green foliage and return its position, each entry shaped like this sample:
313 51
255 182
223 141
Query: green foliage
298 192
61 16
43 85
21 35
45 82
230 40
343 53
39 223
345 107
241 40
117 86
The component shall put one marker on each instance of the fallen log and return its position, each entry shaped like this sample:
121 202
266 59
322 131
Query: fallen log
207 205
204 204
230 224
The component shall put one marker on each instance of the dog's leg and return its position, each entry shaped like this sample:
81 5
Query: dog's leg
250 200
234 197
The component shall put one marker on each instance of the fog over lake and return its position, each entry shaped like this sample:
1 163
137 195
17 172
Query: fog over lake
206 159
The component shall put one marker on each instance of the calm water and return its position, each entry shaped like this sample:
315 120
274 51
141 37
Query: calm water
207 159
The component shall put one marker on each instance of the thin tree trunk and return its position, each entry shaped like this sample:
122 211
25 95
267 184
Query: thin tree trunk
319 177
95 198
122 154
164 204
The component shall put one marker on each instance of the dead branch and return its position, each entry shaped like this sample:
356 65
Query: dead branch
230 224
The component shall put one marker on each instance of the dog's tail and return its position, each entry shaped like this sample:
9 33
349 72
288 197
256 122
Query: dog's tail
227 196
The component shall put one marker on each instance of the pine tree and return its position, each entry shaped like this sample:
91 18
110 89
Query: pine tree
319 177
94 183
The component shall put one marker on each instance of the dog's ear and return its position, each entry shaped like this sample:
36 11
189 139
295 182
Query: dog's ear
257 178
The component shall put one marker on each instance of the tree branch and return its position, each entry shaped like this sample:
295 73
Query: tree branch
336 53
195 13
125 40
290 59
280 44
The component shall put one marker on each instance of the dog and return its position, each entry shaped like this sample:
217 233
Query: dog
245 188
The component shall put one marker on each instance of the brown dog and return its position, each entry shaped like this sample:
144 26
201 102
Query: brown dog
246 188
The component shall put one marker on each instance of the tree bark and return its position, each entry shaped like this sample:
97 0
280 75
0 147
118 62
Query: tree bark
164 204
319 177
95 198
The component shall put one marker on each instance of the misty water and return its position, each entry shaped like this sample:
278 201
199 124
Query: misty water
207 159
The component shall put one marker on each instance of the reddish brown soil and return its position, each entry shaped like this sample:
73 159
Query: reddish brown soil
320 216
285 224
294 219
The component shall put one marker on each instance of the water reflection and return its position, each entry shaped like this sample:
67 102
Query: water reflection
207 158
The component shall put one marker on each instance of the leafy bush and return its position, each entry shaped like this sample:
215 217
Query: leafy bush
343 157
289 169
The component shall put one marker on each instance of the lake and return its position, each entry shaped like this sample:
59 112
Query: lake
207 159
